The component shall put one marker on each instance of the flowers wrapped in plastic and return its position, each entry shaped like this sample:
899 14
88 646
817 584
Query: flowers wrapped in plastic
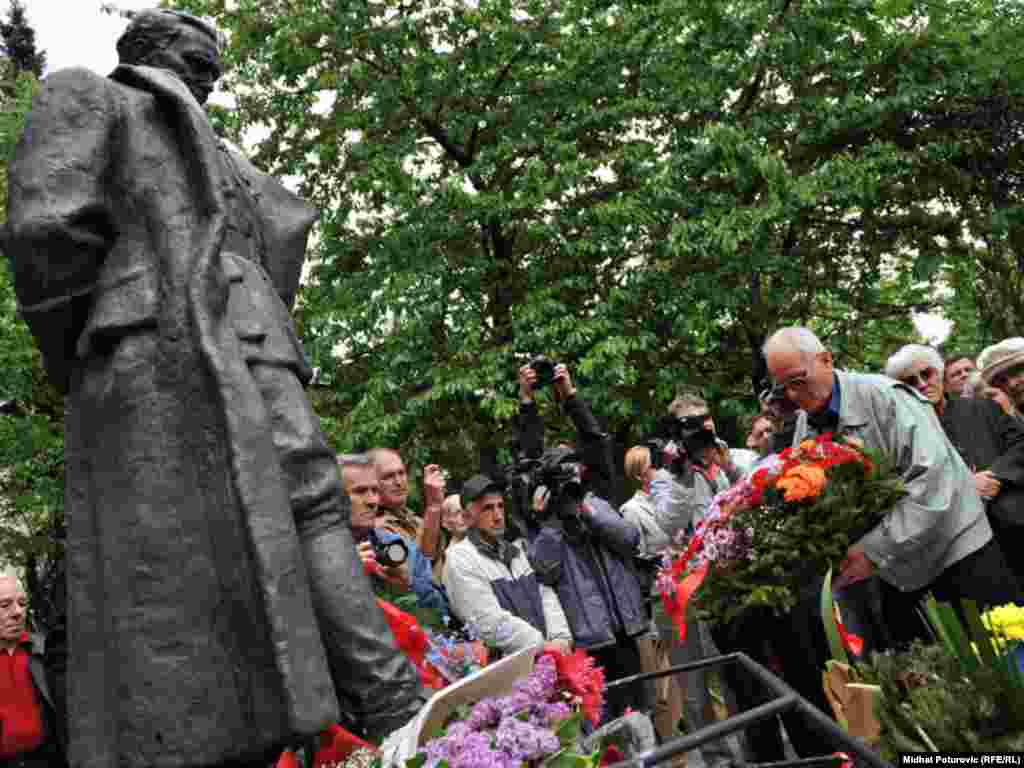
541 717
769 538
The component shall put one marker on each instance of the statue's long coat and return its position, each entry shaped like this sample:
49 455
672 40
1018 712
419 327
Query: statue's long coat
192 634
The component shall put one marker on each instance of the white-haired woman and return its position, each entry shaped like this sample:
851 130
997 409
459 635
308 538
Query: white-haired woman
990 441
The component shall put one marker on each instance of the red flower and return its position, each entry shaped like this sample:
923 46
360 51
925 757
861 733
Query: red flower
759 480
851 642
288 760
611 756
579 675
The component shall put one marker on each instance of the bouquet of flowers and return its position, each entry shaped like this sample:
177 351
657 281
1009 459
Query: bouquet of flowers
539 723
455 656
769 538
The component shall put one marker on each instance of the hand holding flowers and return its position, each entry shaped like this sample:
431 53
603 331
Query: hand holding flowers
770 537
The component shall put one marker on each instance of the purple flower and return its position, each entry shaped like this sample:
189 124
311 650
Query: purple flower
515 703
525 741
540 683
485 714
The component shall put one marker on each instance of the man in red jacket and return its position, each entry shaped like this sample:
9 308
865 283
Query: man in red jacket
26 709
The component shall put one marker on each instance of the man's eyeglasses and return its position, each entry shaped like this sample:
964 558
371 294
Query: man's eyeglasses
921 378
795 383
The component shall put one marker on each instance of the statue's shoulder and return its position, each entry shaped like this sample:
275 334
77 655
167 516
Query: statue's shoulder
78 79
81 86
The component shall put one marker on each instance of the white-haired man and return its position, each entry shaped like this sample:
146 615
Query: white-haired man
491 583
937 536
988 439
29 735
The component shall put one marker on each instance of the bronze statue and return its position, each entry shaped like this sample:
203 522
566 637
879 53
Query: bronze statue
217 609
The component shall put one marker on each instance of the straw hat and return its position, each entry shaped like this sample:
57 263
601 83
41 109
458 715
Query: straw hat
1001 357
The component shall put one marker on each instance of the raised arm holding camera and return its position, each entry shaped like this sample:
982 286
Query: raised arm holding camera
581 545
694 466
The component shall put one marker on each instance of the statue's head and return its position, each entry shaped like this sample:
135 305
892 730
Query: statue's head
176 41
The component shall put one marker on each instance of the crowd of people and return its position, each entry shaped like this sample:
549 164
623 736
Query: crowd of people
569 569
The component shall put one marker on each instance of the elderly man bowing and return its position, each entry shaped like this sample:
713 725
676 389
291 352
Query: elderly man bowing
938 536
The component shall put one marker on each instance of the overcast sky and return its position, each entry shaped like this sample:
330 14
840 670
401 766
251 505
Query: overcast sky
75 33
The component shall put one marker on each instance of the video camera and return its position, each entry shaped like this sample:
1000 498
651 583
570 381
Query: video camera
689 434
557 470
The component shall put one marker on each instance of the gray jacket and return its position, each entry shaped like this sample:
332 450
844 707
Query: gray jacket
639 512
942 518
681 502
499 594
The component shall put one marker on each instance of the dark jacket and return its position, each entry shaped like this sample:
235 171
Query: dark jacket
52 751
988 438
588 560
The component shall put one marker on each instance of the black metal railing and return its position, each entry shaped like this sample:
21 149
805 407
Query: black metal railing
786 699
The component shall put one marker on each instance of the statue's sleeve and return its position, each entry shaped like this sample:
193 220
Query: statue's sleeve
60 226
287 220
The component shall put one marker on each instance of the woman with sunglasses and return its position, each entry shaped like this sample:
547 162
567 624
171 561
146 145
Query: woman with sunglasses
990 442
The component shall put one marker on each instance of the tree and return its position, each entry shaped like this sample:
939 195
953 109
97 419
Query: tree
643 190
19 41
31 417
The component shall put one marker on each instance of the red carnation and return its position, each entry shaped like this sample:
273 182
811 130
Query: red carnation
579 675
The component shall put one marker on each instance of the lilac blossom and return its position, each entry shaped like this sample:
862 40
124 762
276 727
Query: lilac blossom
555 713
525 741
485 714
471 744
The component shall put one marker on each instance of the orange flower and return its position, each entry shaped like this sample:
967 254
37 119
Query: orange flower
809 449
802 482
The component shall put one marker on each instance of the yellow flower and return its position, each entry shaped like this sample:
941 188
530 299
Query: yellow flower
1005 621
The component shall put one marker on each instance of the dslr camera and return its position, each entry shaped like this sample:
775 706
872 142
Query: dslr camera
545 370
390 555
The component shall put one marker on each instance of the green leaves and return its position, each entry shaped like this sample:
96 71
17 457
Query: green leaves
643 192
835 644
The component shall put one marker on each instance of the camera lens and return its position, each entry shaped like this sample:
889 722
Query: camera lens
392 554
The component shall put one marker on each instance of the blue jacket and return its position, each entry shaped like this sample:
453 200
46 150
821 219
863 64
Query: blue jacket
428 594
590 565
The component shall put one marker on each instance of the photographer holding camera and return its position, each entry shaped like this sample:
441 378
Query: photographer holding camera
696 465
580 544
393 558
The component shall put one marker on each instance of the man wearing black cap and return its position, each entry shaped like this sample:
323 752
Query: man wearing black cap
491 584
